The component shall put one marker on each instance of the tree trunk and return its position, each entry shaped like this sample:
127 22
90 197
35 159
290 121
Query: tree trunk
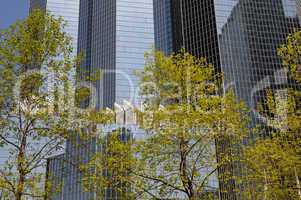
298 182
265 189
20 187
21 168
21 181
186 181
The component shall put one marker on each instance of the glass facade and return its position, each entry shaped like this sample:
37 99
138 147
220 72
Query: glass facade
55 170
114 35
41 4
78 152
240 37
163 26
134 37
249 34
299 11
194 28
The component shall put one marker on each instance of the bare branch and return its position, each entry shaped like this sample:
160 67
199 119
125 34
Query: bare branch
9 142
160 180
40 152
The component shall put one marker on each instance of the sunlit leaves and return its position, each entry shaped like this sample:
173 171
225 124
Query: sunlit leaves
37 100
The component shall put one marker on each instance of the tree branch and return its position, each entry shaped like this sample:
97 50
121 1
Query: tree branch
40 152
207 176
13 189
9 142
160 180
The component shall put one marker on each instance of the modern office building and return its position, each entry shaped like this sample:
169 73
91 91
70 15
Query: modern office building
77 153
163 26
114 35
299 11
55 176
240 37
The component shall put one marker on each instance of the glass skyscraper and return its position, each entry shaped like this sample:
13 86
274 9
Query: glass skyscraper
114 35
55 176
163 26
240 37
299 11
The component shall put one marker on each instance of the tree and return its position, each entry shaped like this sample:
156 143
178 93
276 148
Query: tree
37 101
273 163
291 54
183 117
107 171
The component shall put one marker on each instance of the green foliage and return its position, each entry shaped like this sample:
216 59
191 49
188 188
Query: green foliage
188 117
109 168
291 54
183 118
34 42
273 163
31 85
179 78
272 168
37 101
82 95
